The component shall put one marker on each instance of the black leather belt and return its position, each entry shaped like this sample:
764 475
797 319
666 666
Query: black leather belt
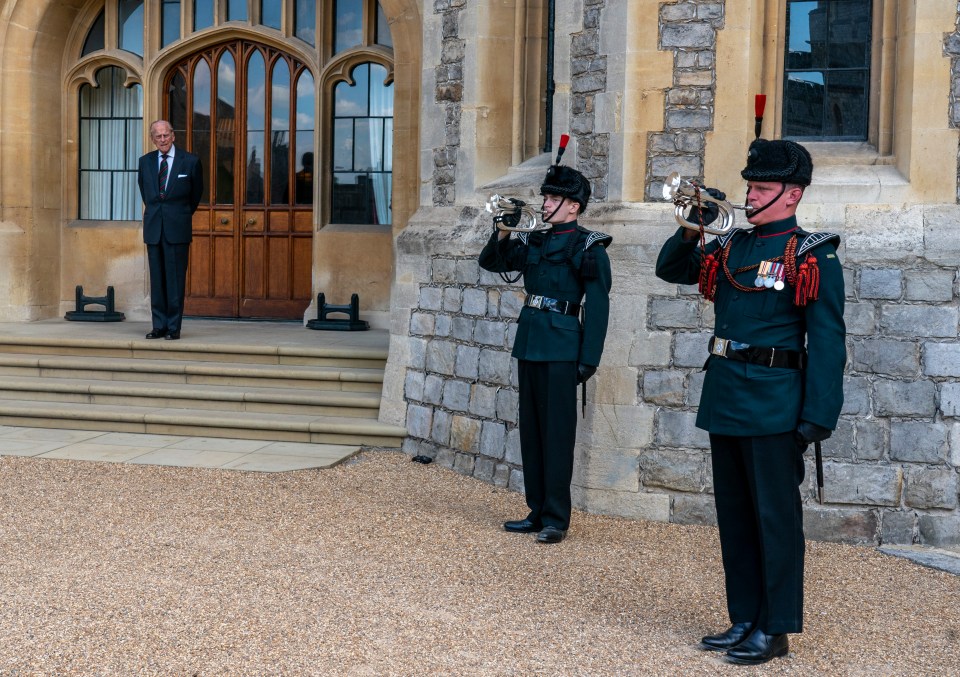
553 305
770 357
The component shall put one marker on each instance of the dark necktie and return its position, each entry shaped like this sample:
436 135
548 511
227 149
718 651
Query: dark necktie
163 174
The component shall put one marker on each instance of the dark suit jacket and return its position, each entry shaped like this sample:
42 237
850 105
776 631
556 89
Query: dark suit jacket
171 215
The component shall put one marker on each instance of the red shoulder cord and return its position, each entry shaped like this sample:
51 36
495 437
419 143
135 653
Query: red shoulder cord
805 279
808 281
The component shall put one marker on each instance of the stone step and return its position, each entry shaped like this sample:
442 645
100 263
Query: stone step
333 356
200 423
253 381
234 374
189 396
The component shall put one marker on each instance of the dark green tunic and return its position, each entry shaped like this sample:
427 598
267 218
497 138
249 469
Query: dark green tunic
552 266
749 399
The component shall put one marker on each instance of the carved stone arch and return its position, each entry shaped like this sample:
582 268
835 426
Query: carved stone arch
85 72
339 69
158 70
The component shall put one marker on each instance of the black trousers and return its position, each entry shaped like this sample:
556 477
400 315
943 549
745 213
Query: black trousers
756 487
548 431
168 283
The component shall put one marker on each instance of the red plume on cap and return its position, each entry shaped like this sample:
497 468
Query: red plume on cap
759 103
564 140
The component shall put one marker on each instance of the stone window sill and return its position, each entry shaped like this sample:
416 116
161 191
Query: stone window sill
854 172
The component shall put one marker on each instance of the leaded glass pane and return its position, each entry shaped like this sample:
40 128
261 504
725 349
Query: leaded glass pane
305 21
130 15
280 133
383 28
381 94
200 138
111 142
803 109
236 10
202 14
388 145
348 25
177 95
256 115
343 145
362 181
352 100
96 36
270 13
846 104
170 22
827 73
226 128
304 121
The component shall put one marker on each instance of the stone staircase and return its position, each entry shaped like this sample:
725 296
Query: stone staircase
326 394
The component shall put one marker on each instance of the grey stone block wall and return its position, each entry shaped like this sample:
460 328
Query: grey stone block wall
892 466
951 48
688 28
462 402
588 74
448 94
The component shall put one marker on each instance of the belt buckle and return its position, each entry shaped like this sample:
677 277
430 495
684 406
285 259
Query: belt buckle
536 301
719 346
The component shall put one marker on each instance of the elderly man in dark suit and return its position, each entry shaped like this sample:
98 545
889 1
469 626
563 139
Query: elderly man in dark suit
171 185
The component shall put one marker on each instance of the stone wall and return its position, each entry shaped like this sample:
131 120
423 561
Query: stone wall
951 48
448 95
588 75
893 465
688 29
461 389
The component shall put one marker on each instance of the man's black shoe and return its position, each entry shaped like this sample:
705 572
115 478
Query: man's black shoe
523 526
173 336
157 333
758 648
735 634
551 535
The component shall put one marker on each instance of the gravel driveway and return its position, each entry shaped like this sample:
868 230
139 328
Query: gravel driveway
382 566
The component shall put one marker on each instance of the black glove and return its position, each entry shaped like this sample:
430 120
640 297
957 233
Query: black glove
710 211
807 433
584 372
508 219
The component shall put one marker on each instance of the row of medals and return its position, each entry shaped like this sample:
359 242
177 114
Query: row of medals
770 275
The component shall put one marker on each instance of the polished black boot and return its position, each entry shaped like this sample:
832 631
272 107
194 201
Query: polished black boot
524 526
758 648
735 634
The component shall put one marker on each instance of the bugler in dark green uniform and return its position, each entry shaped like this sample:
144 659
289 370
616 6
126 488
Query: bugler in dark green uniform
774 384
562 268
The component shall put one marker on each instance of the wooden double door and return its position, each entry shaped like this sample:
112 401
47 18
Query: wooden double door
248 111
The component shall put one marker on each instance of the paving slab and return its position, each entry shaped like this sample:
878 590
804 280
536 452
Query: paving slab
171 450
935 558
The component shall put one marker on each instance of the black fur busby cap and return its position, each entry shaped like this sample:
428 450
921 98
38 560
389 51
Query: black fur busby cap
778 160
568 182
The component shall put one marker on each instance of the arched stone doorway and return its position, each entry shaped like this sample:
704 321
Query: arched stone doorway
247 109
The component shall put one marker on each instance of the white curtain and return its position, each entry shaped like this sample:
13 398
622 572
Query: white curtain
381 106
111 141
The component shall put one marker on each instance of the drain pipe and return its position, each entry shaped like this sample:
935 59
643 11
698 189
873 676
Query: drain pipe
551 85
